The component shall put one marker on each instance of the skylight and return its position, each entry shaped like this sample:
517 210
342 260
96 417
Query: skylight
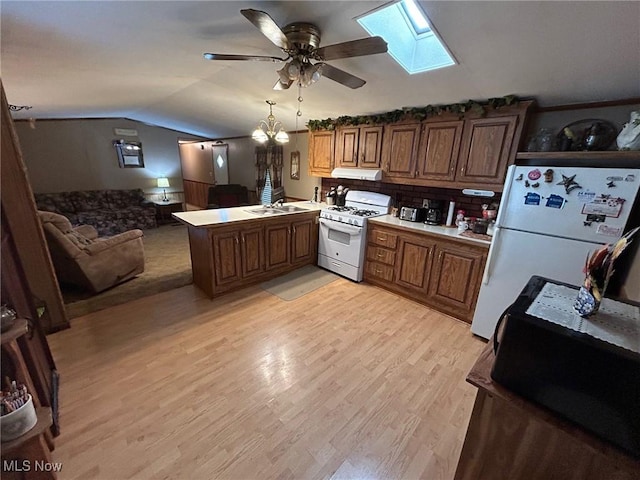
411 40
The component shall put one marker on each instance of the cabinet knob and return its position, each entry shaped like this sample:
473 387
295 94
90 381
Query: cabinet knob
462 170
243 239
440 256
237 241
380 255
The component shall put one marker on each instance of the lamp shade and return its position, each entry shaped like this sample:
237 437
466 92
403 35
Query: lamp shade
163 182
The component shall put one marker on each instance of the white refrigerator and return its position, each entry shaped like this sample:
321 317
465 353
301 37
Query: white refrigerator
550 218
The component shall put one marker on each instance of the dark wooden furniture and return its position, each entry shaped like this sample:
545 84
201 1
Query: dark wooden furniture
228 257
165 209
510 437
441 272
20 217
229 195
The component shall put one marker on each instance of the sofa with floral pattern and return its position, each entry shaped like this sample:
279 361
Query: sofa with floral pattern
109 211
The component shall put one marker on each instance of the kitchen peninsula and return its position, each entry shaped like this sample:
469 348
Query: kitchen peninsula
235 247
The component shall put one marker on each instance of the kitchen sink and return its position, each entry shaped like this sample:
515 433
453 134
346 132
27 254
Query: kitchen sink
290 208
276 210
265 211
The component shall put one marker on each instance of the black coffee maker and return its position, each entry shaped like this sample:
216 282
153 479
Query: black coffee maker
434 212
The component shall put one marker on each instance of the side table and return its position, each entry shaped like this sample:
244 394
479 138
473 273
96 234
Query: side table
165 209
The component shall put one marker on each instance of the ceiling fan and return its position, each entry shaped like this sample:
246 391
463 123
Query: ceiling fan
301 43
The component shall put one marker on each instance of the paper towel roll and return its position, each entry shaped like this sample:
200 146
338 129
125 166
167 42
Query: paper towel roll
452 209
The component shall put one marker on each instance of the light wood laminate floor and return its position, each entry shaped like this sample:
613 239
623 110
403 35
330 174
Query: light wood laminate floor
349 381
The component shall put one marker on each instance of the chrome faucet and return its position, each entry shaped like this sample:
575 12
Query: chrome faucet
278 202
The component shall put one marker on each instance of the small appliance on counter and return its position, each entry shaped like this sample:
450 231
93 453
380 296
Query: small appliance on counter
433 214
412 214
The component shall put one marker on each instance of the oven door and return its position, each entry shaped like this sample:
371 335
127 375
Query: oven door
340 241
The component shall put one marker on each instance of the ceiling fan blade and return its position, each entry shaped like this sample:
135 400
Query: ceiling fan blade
280 85
341 76
267 26
256 58
354 48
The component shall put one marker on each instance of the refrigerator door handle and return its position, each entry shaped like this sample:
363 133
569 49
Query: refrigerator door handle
490 257
506 193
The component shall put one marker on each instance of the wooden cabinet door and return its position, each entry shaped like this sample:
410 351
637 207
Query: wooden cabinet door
321 146
370 147
455 282
226 250
302 244
439 149
413 264
277 245
486 150
399 148
347 147
252 251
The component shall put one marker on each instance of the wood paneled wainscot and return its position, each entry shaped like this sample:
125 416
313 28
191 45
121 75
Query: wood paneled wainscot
227 257
443 273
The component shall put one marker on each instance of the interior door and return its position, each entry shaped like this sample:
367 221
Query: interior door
220 159
197 163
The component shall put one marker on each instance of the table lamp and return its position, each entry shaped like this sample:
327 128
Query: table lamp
163 183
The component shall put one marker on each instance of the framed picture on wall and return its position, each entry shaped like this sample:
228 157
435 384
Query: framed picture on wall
129 154
295 165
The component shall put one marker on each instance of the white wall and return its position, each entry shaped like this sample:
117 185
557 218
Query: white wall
66 155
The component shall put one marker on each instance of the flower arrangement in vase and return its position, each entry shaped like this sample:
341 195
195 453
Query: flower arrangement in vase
598 270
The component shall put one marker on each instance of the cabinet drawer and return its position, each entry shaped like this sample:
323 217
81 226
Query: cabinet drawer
383 238
382 255
375 269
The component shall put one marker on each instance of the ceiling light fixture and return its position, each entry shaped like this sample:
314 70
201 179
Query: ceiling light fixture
271 130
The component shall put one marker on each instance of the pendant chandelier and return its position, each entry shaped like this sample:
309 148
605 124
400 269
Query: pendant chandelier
270 130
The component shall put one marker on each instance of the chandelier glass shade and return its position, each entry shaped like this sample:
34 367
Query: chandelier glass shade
271 129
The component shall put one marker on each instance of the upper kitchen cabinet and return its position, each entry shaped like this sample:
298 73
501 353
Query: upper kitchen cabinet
399 150
438 150
359 146
489 145
321 150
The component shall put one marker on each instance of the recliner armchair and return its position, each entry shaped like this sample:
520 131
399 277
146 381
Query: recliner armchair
231 195
81 258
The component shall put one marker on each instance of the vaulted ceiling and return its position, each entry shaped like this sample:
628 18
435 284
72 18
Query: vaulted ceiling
143 60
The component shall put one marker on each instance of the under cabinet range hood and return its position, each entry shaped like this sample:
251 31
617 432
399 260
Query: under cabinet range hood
371 174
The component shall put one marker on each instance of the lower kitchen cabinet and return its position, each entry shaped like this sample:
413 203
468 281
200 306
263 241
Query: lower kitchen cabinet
303 242
228 268
278 243
455 279
442 273
413 265
226 258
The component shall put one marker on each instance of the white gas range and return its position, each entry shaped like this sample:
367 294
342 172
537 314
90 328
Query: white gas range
343 232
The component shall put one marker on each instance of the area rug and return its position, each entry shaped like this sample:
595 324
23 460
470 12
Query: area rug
167 266
299 282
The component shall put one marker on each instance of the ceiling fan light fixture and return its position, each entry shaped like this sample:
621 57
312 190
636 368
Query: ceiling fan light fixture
310 74
293 69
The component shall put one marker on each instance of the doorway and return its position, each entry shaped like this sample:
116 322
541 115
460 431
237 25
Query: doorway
204 164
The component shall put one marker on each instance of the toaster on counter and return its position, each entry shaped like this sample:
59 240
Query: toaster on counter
412 214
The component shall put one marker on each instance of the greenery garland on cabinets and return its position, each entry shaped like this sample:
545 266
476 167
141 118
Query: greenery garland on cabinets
416 113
